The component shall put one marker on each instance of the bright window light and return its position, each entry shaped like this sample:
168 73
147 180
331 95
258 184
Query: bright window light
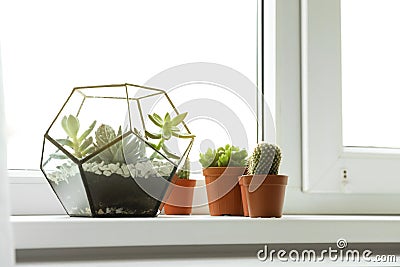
370 77
49 47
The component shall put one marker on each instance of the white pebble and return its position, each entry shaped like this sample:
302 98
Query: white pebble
119 171
133 172
85 166
104 168
125 169
113 167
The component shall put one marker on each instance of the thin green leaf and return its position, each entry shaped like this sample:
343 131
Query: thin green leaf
157 121
119 131
169 153
136 131
166 133
86 143
152 135
58 156
155 155
115 148
167 117
129 146
158 118
65 125
178 119
73 125
175 129
89 150
153 145
118 154
183 135
66 142
87 132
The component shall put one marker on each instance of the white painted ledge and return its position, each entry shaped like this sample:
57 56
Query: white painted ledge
35 232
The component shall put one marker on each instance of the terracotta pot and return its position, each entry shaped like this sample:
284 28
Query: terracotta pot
267 200
182 194
223 191
243 192
168 192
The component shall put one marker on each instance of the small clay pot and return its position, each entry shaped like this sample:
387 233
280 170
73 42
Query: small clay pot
168 191
181 194
223 191
243 192
267 200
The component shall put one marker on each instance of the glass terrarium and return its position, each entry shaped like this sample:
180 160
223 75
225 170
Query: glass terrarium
112 150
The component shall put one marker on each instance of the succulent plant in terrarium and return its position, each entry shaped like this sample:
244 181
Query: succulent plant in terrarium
114 158
168 128
130 147
126 158
81 145
99 169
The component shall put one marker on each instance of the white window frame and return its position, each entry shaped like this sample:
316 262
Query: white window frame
309 105
328 165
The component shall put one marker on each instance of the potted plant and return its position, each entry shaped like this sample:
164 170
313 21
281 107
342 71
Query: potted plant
167 129
113 170
263 188
179 201
221 169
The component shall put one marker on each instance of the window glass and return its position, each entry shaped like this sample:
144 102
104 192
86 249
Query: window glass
49 47
370 73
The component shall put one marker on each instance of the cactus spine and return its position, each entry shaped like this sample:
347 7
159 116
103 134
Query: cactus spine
265 159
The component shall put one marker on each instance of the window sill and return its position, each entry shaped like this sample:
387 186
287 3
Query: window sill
38 232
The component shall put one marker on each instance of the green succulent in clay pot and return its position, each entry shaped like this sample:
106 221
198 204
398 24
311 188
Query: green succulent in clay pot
228 155
221 169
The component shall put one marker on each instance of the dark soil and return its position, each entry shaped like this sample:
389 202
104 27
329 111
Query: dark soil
115 192
112 196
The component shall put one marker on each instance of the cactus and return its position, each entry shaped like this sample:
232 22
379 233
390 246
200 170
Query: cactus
265 159
184 172
81 145
130 147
